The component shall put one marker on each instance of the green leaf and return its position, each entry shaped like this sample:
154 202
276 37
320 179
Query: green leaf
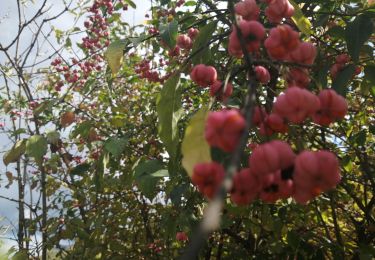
115 56
147 174
18 132
53 137
195 148
101 166
68 43
337 32
164 2
190 3
368 82
82 130
200 44
169 110
147 167
80 169
15 153
357 33
116 145
300 20
370 73
131 3
47 105
36 147
168 33
20 255
343 78
177 193
137 40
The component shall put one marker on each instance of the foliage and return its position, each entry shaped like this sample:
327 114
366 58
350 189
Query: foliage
115 173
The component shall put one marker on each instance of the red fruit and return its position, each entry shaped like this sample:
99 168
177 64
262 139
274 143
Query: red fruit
274 187
193 33
174 52
332 107
245 187
252 146
335 69
203 75
208 177
87 24
279 9
358 70
262 74
298 77
224 129
342 59
272 123
281 41
270 157
221 92
252 31
248 9
265 130
296 104
184 42
304 54
315 172
259 116
276 123
181 236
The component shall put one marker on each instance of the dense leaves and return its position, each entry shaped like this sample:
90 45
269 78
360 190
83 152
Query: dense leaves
110 133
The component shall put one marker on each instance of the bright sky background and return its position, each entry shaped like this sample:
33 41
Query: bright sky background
8 30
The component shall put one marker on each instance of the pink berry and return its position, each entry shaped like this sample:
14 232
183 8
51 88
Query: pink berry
262 74
332 107
252 31
245 187
248 9
203 75
208 177
184 42
220 91
224 129
279 9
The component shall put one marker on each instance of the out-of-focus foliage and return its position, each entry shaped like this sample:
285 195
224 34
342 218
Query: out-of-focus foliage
116 183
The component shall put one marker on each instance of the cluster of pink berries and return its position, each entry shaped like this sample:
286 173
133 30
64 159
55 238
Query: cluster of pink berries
155 247
206 76
341 61
184 42
283 42
98 25
181 236
98 36
275 171
143 69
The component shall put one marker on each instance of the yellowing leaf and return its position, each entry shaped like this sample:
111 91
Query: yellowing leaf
15 153
195 148
301 21
36 147
115 56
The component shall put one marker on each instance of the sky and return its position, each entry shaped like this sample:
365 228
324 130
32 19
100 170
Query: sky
8 30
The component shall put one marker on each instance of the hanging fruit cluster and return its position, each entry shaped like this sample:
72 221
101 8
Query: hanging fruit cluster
274 170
